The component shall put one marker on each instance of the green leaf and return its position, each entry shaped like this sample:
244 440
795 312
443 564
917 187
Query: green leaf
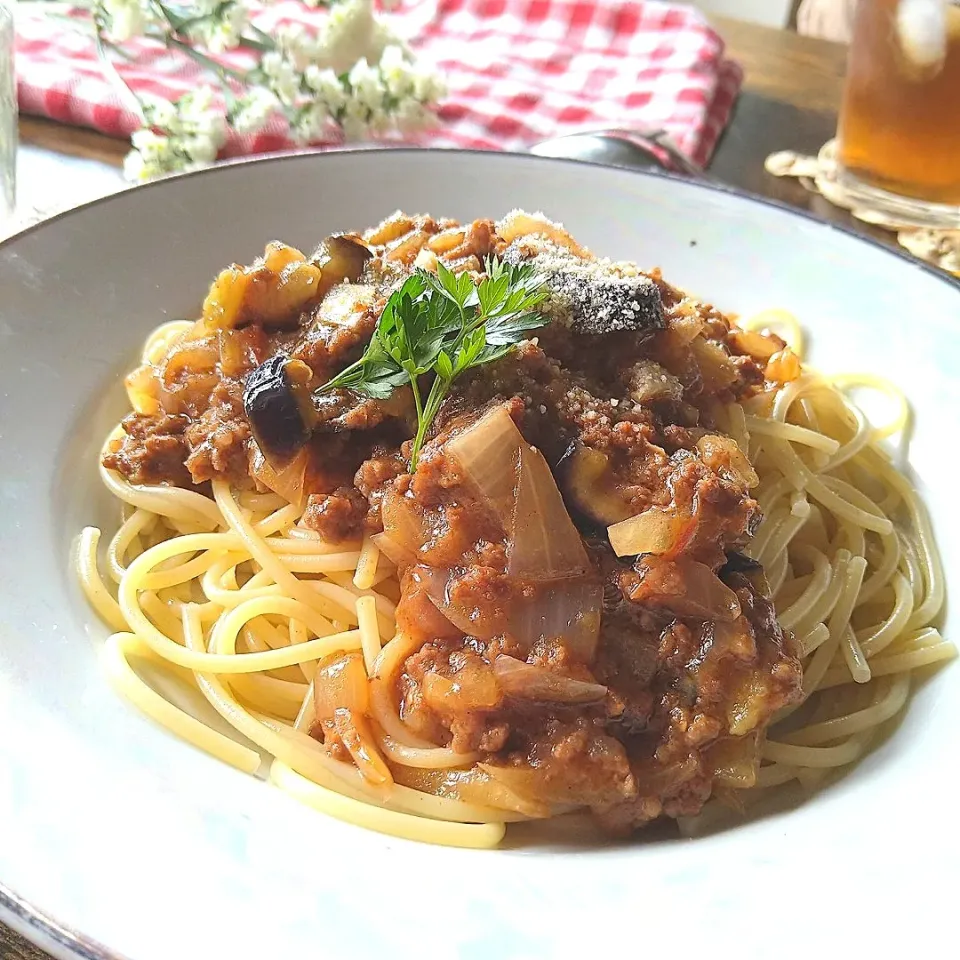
448 283
384 387
470 349
493 352
512 328
444 324
444 365
491 294
493 267
466 291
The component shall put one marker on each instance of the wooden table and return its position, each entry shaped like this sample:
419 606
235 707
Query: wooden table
789 101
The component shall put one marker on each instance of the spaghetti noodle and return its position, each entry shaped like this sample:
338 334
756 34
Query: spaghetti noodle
234 595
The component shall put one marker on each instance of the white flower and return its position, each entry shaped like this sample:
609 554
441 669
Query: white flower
271 62
310 123
221 27
354 121
152 156
411 116
379 122
327 86
297 45
404 78
178 136
396 71
134 167
124 18
355 72
151 146
281 76
253 110
198 115
428 85
366 84
158 112
201 149
350 32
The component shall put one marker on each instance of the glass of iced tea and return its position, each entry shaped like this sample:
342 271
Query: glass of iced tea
899 130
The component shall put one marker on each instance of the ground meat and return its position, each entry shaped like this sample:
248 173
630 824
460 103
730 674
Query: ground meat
336 516
379 470
570 762
218 438
374 474
677 683
152 451
328 347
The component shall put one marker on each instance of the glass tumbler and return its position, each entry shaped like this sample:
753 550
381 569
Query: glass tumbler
8 112
899 130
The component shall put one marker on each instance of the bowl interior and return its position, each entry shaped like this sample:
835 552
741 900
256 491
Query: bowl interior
108 816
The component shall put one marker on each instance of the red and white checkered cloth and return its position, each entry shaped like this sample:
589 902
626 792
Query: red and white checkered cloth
518 71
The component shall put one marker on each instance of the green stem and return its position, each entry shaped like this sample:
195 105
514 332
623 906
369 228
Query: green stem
418 440
250 43
119 51
177 22
263 37
437 393
341 380
113 75
261 42
218 68
467 327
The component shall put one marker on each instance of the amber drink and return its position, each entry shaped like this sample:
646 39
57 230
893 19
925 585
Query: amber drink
899 130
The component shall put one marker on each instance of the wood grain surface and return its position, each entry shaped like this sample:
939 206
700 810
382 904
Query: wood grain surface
790 99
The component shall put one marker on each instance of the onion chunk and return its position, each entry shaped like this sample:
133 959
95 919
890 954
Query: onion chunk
340 683
529 682
546 545
685 587
488 452
653 531
515 481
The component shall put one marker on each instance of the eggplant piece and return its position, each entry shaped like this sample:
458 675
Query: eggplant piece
584 479
341 258
592 296
738 562
594 304
277 404
739 568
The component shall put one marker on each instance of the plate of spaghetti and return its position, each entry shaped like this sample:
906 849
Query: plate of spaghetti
364 529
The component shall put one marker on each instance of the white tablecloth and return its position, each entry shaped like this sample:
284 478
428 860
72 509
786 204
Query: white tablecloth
48 183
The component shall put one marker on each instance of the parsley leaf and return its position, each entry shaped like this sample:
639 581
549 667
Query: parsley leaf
444 324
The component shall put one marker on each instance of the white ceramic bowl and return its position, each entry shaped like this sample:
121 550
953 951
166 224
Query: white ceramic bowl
112 827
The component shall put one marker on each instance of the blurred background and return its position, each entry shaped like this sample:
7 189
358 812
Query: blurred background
844 108
830 19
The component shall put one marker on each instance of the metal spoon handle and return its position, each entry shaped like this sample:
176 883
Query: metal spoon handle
622 147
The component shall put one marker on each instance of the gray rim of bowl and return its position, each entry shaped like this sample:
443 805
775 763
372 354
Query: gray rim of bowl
311 155
46 933
28 916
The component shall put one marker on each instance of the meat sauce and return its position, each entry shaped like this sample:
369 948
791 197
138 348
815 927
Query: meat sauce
637 685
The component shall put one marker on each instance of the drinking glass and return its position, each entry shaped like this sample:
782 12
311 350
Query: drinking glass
899 129
8 112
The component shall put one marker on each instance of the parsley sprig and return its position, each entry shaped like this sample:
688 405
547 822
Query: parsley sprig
444 324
